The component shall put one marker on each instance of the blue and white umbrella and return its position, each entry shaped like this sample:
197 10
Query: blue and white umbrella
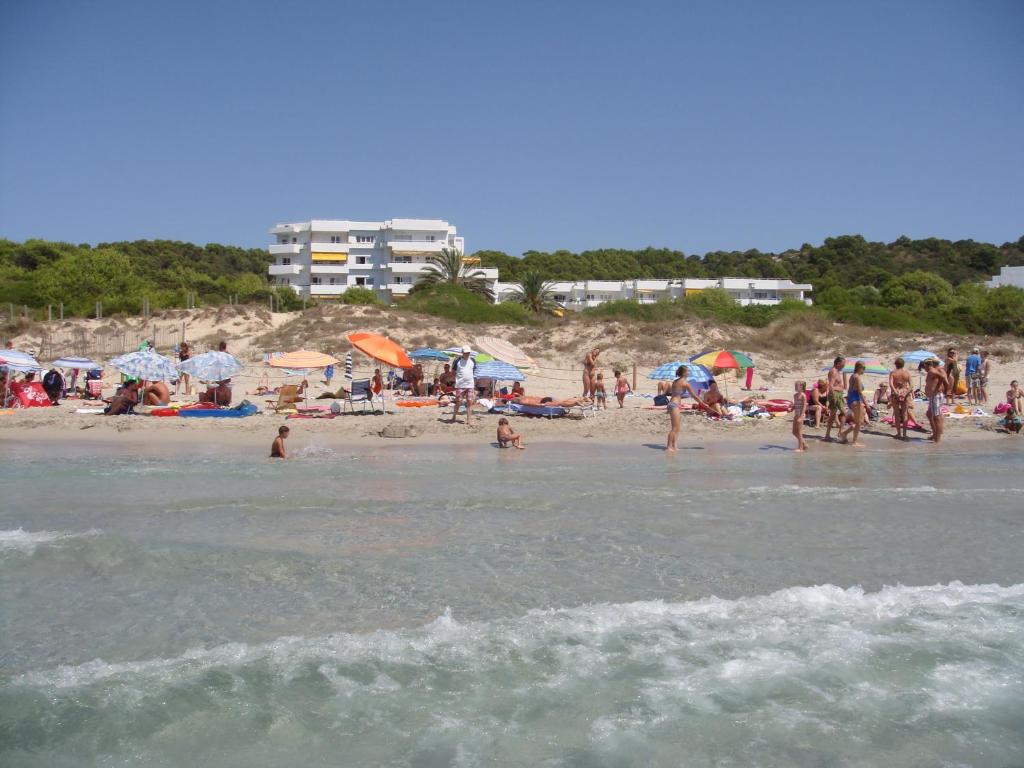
80 363
211 366
146 364
919 356
499 371
428 353
19 361
695 374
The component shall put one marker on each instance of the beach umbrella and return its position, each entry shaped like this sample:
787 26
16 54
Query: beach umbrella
211 366
81 363
499 371
428 353
478 357
723 358
505 351
918 356
19 361
301 359
146 364
348 365
381 349
696 373
872 366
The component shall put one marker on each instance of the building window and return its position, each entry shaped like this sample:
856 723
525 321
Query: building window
315 280
364 238
295 239
286 261
369 281
398 280
430 238
336 239
591 297
360 259
360 281
559 297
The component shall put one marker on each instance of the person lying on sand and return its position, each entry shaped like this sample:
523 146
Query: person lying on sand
507 436
569 402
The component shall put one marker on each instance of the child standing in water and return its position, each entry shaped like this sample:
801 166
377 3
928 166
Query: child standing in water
600 395
277 448
622 388
506 435
799 410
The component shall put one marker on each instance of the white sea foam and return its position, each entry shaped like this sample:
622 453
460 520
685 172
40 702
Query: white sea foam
20 540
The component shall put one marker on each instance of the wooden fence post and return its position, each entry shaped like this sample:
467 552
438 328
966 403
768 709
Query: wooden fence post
634 377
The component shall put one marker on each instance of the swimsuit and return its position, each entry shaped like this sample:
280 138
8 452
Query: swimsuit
835 400
935 403
853 396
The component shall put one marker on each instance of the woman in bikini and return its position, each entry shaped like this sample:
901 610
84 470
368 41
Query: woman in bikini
589 366
901 389
679 386
855 402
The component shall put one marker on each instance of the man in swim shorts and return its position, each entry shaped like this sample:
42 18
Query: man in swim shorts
465 383
835 400
936 386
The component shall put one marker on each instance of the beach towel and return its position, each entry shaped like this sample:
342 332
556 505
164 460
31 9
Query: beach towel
238 412
549 411
30 395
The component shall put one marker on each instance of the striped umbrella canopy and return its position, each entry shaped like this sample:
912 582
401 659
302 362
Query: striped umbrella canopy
505 350
695 374
301 359
81 363
723 358
380 348
871 366
428 353
499 371
478 357
146 364
20 361
919 356
211 366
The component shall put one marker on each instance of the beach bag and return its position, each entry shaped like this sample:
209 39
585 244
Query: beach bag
661 399
961 387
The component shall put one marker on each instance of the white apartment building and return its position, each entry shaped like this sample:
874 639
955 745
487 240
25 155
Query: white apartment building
324 258
581 294
1008 276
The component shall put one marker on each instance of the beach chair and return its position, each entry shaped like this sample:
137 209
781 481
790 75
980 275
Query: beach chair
94 389
359 392
287 397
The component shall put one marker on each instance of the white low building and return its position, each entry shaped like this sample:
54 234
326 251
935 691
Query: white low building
581 294
324 258
1008 276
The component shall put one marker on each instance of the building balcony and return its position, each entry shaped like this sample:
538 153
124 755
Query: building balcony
329 247
407 267
284 269
400 288
328 269
326 289
285 249
416 246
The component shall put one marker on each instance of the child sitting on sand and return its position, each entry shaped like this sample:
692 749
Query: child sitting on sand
799 409
277 448
506 435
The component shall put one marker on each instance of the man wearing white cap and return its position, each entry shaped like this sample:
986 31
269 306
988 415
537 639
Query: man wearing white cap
464 369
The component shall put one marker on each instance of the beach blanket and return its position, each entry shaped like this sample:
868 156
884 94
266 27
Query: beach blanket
30 395
549 411
238 412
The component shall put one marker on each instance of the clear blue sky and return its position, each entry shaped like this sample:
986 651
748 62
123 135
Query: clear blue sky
691 125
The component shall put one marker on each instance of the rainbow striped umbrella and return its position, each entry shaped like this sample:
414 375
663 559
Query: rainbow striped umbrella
872 366
723 358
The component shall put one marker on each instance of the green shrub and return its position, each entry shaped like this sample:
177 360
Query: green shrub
461 305
360 296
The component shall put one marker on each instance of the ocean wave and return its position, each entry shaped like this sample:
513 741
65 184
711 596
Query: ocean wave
840 668
20 540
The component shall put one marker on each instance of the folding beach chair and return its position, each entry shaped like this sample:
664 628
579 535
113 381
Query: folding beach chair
359 392
287 397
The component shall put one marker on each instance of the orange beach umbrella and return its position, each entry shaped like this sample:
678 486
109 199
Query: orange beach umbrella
381 349
302 358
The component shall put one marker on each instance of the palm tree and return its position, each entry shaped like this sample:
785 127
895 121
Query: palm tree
450 267
536 294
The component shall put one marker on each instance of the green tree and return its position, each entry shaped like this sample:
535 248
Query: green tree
449 267
536 294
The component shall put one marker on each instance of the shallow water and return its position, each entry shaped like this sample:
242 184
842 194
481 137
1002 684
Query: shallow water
566 605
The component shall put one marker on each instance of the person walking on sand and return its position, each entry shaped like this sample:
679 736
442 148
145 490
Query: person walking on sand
902 388
184 353
679 386
936 385
507 437
600 395
799 412
277 450
465 383
836 383
855 401
952 374
622 388
589 369
983 374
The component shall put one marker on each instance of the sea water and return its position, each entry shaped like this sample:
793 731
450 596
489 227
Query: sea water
410 605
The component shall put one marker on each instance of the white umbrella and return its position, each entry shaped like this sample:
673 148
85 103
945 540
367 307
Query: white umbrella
146 364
